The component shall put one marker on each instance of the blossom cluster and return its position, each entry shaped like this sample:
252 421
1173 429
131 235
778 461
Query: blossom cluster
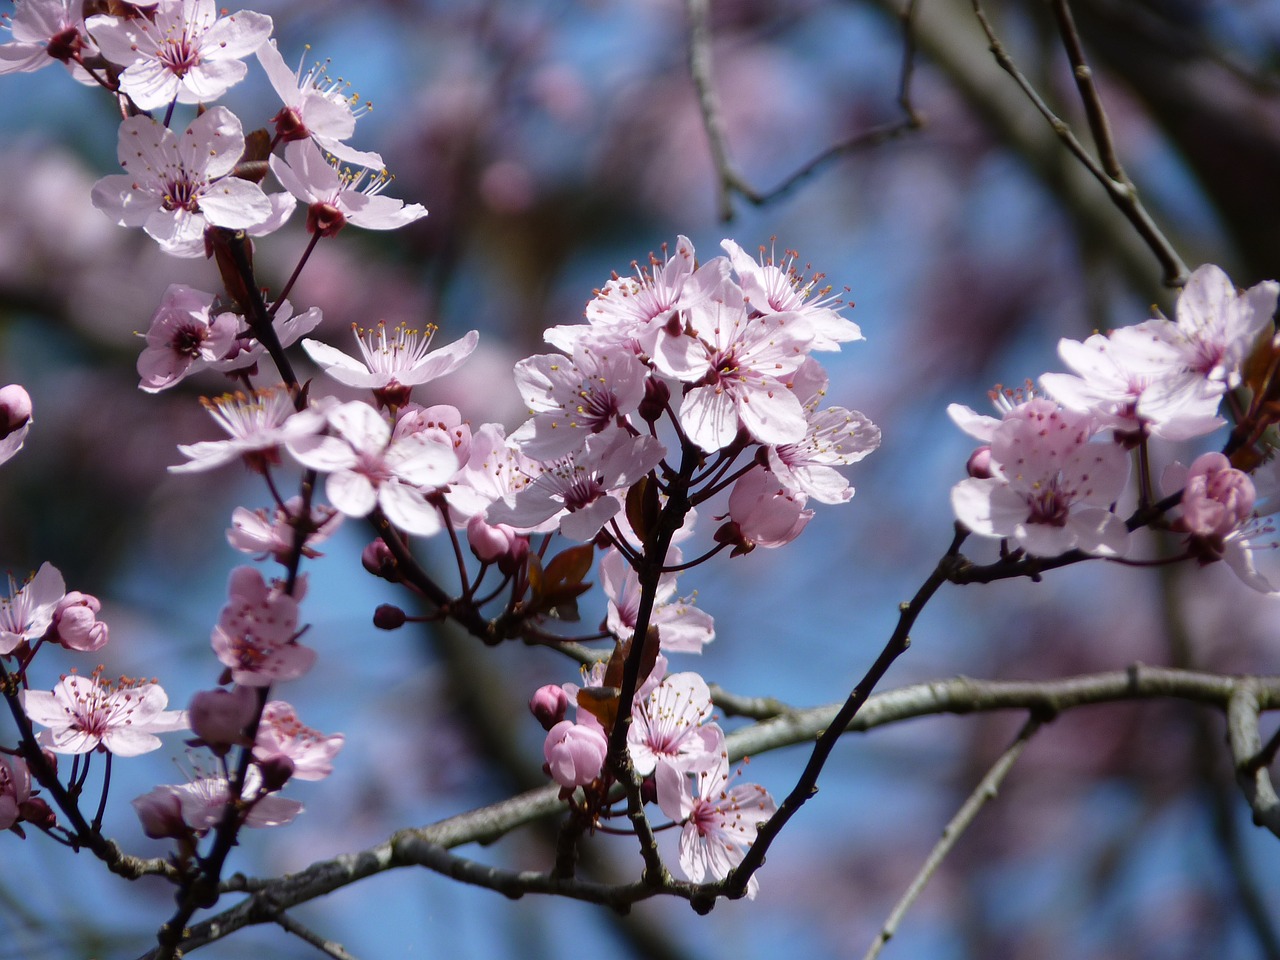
1052 467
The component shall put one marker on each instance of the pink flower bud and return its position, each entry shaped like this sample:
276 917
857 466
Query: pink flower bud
656 396
76 625
15 409
378 560
575 753
549 704
979 465
221 717
388 617
497 543
160 813
1217 498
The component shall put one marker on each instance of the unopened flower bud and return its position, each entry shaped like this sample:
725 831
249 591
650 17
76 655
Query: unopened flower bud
497 543
15 408
574 753
549 705
656 396
379 560
221 717
388 617
76 625
160 813
37 813
979 465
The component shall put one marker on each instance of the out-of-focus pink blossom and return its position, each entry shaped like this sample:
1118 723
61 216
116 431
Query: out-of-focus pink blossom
76 625
221 717
256 635
271 533
160 813
281 736
45 31
28 611
574 753
259 424
183 338
15 789
203 801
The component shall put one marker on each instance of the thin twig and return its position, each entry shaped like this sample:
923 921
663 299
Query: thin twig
986 790
1120 189
329 948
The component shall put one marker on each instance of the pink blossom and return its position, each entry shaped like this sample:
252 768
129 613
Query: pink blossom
1052 489
27 613
779 287
83 715
669 727
763 513
76 625
368 469
271 533
281 736
45 31
575 753
720 822
682 627
175 185
15 419
1129 382
203 802
571 398
183 338
246 350
737 365
160 813
549 704
337 197
315 106
185 52
256 635
390 365
15 790
578 490
258 424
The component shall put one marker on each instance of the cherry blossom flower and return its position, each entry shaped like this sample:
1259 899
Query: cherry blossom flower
83 714
578 491
183 52
575 753
640 308
1128 382
15 419
176 186
247 350
737 365
183 338
770 287
1218 513
366 468
15 790
337 197
833 437
203 801
1052 488
682 627
315 106
389 366
720 822
1215 326
256 635
571 398
258 424
669 727
282 736
45 31
271 533
27 613
221 717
